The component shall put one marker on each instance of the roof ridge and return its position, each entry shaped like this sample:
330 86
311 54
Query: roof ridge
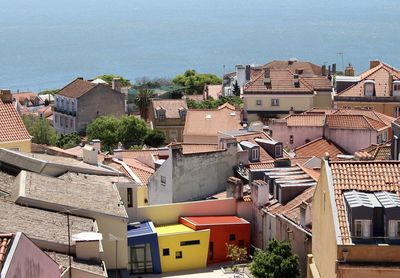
309 143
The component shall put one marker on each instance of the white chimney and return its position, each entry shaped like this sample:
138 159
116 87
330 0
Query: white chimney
118 154
116 84
240 75
97 145
90 155
261 193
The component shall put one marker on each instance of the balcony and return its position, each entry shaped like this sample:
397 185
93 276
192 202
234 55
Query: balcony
63 111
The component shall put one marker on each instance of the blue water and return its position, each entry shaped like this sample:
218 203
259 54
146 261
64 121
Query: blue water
45 44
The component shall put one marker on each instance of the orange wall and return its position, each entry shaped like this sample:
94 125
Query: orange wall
219 235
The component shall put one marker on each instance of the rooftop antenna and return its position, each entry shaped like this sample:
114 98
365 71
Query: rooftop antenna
341 54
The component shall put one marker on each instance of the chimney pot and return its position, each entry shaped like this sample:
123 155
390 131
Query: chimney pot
6 96
116 84
374 63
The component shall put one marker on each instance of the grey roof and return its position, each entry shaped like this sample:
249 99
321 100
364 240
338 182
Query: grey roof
361 199
247 144
40 224
388 199
272 142
73 190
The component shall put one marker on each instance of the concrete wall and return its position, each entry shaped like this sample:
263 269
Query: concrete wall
368 272
26 260
281 133
170 213
323 99
324 246
23 145
161 193
298 102
100 101
79 273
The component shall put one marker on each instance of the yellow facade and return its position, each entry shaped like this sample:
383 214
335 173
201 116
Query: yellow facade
182 248
142 196
298 102
387 108
23 145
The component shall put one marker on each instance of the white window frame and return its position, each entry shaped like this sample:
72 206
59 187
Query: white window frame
397 112
278 147
275 102
394 229
255 154
365 228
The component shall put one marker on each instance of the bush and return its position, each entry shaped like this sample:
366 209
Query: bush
40 130
66 141
154 138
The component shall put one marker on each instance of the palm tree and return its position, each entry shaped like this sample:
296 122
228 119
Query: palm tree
142 101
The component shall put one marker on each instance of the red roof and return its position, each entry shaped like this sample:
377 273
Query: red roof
11 126
214 220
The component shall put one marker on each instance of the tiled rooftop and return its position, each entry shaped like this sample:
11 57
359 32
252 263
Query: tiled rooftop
305 120
171 107
365 177
5 240
77 88
318 148
198 148
307 67
380 74
354 122
73 190
40 224
377 152
11 126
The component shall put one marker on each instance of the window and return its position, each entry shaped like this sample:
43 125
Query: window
396 112
182 113
274 102
258 102
190 242
173 134
394 228
129 197
165 252
70 123
396 88
161 114
369 88
362 228
211 250
241 243
163 180
232 237
255 154
278 151
291 139
178 255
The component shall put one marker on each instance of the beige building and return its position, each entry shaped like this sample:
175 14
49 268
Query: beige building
168 115
13 133
203 125
276 92
356 220
377 88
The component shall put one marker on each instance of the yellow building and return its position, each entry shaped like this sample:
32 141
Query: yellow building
355 217
13 133
182 248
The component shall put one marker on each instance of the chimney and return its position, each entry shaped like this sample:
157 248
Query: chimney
116 84
89 155
267 77
248 70
6 96
333 69
97 145
374 63
259 193
296 82
240 75
349 71
118 154
291 111
323 70
390 84
234 188
80 78
329 70
282 162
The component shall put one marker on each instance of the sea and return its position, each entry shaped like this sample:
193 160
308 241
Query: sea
44 44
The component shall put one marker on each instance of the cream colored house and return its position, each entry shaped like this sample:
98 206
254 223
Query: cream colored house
356 220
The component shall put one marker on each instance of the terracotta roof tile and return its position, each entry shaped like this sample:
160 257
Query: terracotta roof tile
353 122
11 126
305 120
77 88
362 176
5 240
307 67
380 74
30 96
378 152
171 107
318 148
198 148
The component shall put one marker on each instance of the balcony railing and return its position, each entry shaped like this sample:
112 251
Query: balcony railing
63 111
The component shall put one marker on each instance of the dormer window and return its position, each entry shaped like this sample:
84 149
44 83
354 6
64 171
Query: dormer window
394 228
278 151
161 114
369 88
362 228
296 81
396 88
182 113
255 154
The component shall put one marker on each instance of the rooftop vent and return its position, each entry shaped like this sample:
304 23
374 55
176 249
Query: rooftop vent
208 116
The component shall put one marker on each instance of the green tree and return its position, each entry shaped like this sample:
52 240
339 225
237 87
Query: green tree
236 254
66 141
109 77
142 101
131 131
40 130
211 103
51 92
194 82
153 83
104 128
277 262
236 89
154 138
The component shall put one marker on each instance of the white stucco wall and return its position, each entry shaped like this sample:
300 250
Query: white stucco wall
300 134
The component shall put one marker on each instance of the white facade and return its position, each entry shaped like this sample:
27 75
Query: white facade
64 116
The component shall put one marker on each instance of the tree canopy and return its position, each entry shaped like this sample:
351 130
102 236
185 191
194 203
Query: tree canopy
154 138
194 82
151 83
277 261
128 130
211 103
66 141
109 77
51 92
40 130
142 101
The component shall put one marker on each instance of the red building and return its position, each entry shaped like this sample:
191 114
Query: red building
223 230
